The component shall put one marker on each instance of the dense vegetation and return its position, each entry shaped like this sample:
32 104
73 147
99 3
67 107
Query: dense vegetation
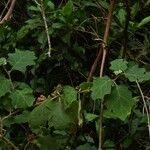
75 75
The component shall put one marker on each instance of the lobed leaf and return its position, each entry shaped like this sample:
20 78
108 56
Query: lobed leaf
101 87
21 59
5 85
119 103
22 98
69 96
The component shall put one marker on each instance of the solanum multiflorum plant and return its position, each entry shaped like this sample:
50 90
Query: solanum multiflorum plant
74 75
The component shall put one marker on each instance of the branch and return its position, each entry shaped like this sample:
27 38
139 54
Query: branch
106 35
145 107
104 49
46 28
9 12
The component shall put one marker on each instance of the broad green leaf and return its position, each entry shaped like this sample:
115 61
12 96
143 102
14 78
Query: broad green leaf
118 65
58 118
3 61
144 21
51 111
86 147
22 98
21 59
101 87
69 95
134 73
119 103
22 118
68 8
40 114
5 86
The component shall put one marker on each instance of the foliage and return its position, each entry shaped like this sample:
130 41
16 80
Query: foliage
48 102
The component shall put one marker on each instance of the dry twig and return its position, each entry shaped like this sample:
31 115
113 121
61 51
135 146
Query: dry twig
9 12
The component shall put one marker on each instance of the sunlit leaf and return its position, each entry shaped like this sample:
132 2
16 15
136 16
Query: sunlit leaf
118 66
144 21
3 61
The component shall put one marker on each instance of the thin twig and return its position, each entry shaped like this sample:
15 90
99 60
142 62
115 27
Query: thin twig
9 75
94 65
104 45
46 28
4 9
7 141
106 35
9 12
145 107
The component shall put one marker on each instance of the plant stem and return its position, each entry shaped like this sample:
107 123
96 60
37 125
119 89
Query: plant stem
46 28
104 45
145 107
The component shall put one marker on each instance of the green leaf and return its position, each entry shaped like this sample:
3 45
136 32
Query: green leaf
144 21
23 32
69 96
121 16
47 143
22 98
68 8
90 117
21 59
40 114
101 87
135 8
50 5
85 86
5 87
109 143
86 146
118 66
134 73
58 118
119 103
22 118
3 61
51 111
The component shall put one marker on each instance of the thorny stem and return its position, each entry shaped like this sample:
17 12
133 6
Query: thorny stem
46 28
104 44
145 106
